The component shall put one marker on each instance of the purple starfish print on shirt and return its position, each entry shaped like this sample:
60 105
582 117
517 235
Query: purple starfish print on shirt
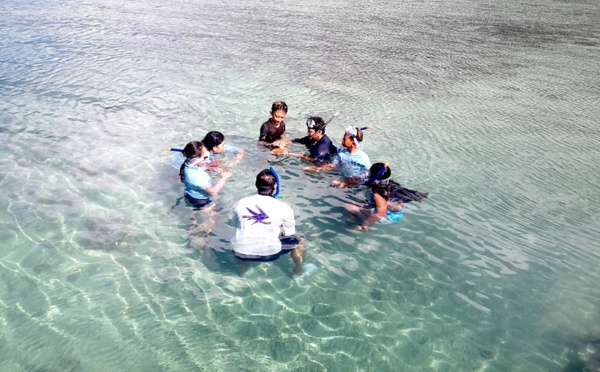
259 216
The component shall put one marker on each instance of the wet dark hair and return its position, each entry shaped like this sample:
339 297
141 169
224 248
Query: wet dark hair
213 139
265 182
391 190
192 150
279 105
317 123
379 172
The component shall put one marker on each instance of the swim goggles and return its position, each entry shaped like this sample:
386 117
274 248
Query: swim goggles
311 124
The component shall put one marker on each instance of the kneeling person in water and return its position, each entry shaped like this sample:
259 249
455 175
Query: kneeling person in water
199 190
215 143
322 150
386 199
266 227
354 163
273 129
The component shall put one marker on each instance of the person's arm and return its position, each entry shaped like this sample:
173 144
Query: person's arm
380 212
300 156
395 206
324 167
262 138
282 142
350 181
214 190
238 157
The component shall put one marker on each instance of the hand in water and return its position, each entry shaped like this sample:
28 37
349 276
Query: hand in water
225 174
338 183
280 151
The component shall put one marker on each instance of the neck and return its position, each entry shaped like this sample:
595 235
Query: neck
194 163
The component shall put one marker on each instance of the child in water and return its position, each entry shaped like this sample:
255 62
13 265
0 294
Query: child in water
322 150
386 199
199 190
354 163
273 129
215 143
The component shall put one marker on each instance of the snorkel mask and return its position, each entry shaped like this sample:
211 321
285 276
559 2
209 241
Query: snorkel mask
311 123
378 175
352 132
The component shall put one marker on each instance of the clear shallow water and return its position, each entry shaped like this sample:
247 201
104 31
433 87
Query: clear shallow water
492 108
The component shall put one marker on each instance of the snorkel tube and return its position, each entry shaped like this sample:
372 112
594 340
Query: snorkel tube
330 119
321 129
174 149
276 180
379 174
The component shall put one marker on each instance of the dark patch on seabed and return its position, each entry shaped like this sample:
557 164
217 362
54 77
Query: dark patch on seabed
537 34
584 355
527 33
112 233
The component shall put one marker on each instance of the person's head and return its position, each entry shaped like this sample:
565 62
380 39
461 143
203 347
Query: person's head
352 136
214 142
278 112
195 150
315 126
266 183
196 154
379 172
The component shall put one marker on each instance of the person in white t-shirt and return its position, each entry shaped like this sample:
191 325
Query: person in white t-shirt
266 228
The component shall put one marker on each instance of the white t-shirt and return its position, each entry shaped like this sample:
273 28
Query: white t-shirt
260 221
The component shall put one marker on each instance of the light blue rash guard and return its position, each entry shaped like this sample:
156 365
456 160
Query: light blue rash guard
180 158
352 165
230 149
196 180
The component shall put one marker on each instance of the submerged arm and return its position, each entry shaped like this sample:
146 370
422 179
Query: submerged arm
214 190
380 211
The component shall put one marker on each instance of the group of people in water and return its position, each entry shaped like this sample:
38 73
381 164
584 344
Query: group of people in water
265 226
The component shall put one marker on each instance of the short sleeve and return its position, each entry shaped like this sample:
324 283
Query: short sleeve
199 179
231 149
263 133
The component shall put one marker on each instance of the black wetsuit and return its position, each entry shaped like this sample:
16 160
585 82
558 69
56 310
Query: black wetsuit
322 151
269 133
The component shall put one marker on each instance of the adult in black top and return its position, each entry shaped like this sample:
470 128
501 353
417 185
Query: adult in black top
322 150
272 130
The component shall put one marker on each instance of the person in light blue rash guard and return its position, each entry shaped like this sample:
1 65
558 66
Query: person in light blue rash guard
199 190
215 143
322 151
354 163
386 199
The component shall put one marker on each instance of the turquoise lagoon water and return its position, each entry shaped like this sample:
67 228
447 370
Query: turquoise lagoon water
490 107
